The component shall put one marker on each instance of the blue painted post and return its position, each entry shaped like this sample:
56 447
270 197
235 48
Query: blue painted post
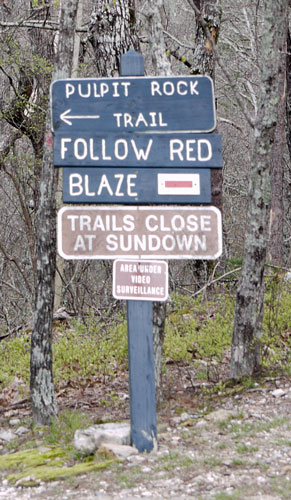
141 374
140 336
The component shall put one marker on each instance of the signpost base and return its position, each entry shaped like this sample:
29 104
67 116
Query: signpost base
141 375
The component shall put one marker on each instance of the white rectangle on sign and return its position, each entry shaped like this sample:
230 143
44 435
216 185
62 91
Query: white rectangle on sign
178 184
140 279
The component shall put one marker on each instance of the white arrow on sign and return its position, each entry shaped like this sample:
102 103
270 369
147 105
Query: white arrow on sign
66 117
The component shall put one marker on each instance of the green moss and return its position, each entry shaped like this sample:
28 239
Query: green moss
47 465
50 472
31 458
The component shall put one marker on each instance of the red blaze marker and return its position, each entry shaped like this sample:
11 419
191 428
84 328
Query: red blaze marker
178 184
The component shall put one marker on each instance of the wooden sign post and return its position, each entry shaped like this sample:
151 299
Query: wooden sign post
137 145
140 337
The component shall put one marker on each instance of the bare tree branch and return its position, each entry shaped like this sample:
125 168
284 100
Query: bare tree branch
227 75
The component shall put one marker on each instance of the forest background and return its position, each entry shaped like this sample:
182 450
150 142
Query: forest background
234 37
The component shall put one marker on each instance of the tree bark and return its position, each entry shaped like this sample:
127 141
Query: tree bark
43 399
162 67
288 99
111 34
204 61
204 64
276 244
245 354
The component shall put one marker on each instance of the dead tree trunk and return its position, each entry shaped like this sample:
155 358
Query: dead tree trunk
245 354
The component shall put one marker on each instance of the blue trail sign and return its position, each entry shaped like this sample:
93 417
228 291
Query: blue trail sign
138 150
130 104
136 186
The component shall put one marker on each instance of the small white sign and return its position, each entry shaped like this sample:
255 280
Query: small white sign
178 184
140 279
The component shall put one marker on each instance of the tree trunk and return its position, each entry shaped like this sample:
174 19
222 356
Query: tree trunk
43 400
111 34
275 249
162 67
204 64
204 61
288 99
245 354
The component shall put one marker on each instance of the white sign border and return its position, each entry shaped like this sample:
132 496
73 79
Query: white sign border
135 208
131 297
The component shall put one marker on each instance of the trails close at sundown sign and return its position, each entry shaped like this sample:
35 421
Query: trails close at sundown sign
110 232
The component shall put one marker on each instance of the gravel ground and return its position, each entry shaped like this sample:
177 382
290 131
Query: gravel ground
235 447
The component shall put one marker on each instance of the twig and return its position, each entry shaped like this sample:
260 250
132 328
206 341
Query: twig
229 122
215 281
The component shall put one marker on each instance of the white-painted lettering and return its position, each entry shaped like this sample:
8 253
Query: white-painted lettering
119 144
205 223
127 120
192 223
184 241
168 243
178 223
189 150
84 93
154 242
87 190
91 147
117 116
75 185
148 222
185 150
103 146
111 242
128 223
153 115
141 154
163 226
161 123
120 178
63 146
104 89
126 86
70 89
80 243
141 119
115 226
95 88
131 185
80 149
176 148
208 155
90 238
104 183
155 88
115 87
193 90
98 224
73 219
200 242
181 84
168 88
85 222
